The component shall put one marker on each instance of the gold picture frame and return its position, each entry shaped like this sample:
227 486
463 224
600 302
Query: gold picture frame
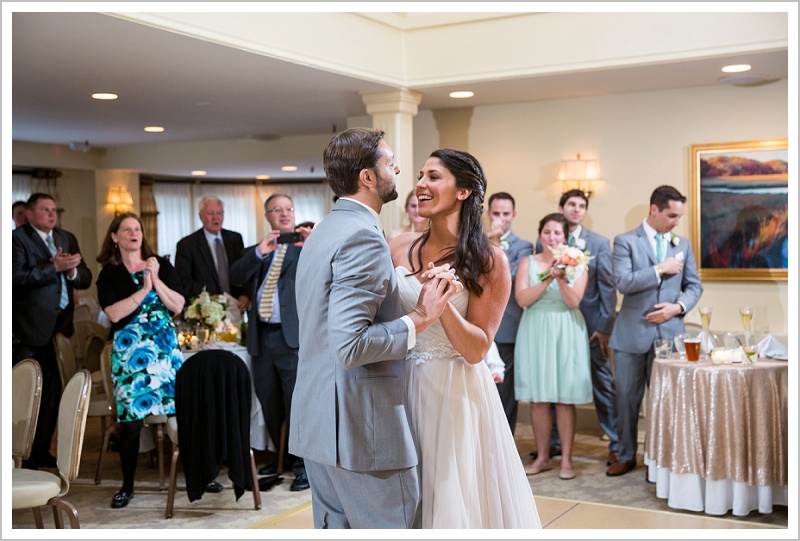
740 210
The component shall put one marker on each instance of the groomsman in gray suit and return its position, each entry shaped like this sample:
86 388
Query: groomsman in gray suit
501 213
349 419
655 271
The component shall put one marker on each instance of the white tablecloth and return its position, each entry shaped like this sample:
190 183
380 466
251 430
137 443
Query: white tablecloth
259 438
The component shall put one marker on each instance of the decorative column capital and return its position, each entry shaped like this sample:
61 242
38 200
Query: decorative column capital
393 101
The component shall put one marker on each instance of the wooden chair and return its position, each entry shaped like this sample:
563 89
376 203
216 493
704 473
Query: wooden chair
82 312
99 406
205 386
156 422
26 396
33 489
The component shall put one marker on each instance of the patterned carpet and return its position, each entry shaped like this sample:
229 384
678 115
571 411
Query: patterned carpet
217 511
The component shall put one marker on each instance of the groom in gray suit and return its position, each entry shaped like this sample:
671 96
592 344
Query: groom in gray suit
349 420
655 271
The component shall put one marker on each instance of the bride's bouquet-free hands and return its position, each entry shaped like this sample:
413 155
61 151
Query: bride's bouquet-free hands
571 259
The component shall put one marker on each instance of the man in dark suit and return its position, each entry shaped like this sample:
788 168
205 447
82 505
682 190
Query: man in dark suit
269 269
46 267
655 270
501 213
204 258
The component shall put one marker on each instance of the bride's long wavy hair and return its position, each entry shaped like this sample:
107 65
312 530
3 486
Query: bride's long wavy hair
471 257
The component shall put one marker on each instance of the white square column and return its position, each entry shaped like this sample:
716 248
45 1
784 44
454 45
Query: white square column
393 112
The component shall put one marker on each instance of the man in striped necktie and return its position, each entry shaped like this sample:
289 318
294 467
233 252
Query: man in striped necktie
272 338
46 267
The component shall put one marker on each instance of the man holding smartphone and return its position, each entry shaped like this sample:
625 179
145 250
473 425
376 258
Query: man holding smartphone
269 269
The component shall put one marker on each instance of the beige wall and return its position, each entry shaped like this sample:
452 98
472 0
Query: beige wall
642 140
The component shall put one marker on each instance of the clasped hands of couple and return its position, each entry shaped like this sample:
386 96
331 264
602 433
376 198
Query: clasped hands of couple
440 286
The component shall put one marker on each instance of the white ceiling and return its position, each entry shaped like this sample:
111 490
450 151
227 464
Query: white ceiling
201 91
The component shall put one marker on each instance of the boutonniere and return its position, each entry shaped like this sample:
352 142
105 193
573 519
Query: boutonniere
580 243
504 245
676 240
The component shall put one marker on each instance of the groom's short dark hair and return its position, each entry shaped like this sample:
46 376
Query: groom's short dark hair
347 154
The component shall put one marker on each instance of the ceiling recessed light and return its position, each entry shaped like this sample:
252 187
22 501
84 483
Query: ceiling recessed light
198 173
154 129
262 177
461 94
736 68
289 168
104 96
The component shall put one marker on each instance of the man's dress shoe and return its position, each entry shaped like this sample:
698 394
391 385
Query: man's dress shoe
300 483
214 487
620 468
612 457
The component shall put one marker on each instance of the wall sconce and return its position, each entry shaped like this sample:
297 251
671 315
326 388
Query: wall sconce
579 174
120 198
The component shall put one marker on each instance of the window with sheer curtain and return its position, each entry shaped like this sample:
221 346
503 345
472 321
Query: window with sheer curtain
243 204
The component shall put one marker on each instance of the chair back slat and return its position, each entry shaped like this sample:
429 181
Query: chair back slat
72 412
65 358
26 396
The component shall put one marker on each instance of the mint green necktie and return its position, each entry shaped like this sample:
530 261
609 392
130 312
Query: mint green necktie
64 300
659 247
571 240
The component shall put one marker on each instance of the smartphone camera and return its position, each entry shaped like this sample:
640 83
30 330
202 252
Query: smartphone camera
289 238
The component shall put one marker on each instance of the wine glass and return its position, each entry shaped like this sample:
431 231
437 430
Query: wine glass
707 342
746 313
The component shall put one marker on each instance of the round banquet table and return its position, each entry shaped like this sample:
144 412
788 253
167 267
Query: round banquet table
717 435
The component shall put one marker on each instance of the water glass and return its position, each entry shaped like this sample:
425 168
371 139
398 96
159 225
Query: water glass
680 347
662 347
731 340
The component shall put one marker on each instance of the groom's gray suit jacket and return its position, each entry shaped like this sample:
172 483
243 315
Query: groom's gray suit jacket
348 407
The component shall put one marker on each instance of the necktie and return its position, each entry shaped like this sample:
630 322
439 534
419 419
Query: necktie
268 292
571 240
659 247
222 266
64 299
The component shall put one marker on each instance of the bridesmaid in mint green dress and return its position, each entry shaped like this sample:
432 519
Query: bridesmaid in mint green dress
551 358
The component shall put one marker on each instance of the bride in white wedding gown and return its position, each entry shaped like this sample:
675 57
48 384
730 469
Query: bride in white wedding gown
470 471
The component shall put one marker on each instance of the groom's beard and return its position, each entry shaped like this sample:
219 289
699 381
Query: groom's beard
387 190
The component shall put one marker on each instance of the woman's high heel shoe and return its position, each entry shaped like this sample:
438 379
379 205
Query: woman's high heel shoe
121 499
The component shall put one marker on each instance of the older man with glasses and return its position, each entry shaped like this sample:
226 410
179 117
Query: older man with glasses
272 339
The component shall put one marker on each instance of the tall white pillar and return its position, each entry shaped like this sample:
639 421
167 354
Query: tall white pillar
393 112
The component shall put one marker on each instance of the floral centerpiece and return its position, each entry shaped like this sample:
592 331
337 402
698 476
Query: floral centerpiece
208 311
572 259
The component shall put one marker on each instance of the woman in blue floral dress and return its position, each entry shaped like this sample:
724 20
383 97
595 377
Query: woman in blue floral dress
139 292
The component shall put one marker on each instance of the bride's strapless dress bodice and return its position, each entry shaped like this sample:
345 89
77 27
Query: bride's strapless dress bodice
433 343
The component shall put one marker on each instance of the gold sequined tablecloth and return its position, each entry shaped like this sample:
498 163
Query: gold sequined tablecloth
721 422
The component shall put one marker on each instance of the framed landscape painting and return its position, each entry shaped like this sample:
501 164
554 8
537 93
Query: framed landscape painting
740 210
